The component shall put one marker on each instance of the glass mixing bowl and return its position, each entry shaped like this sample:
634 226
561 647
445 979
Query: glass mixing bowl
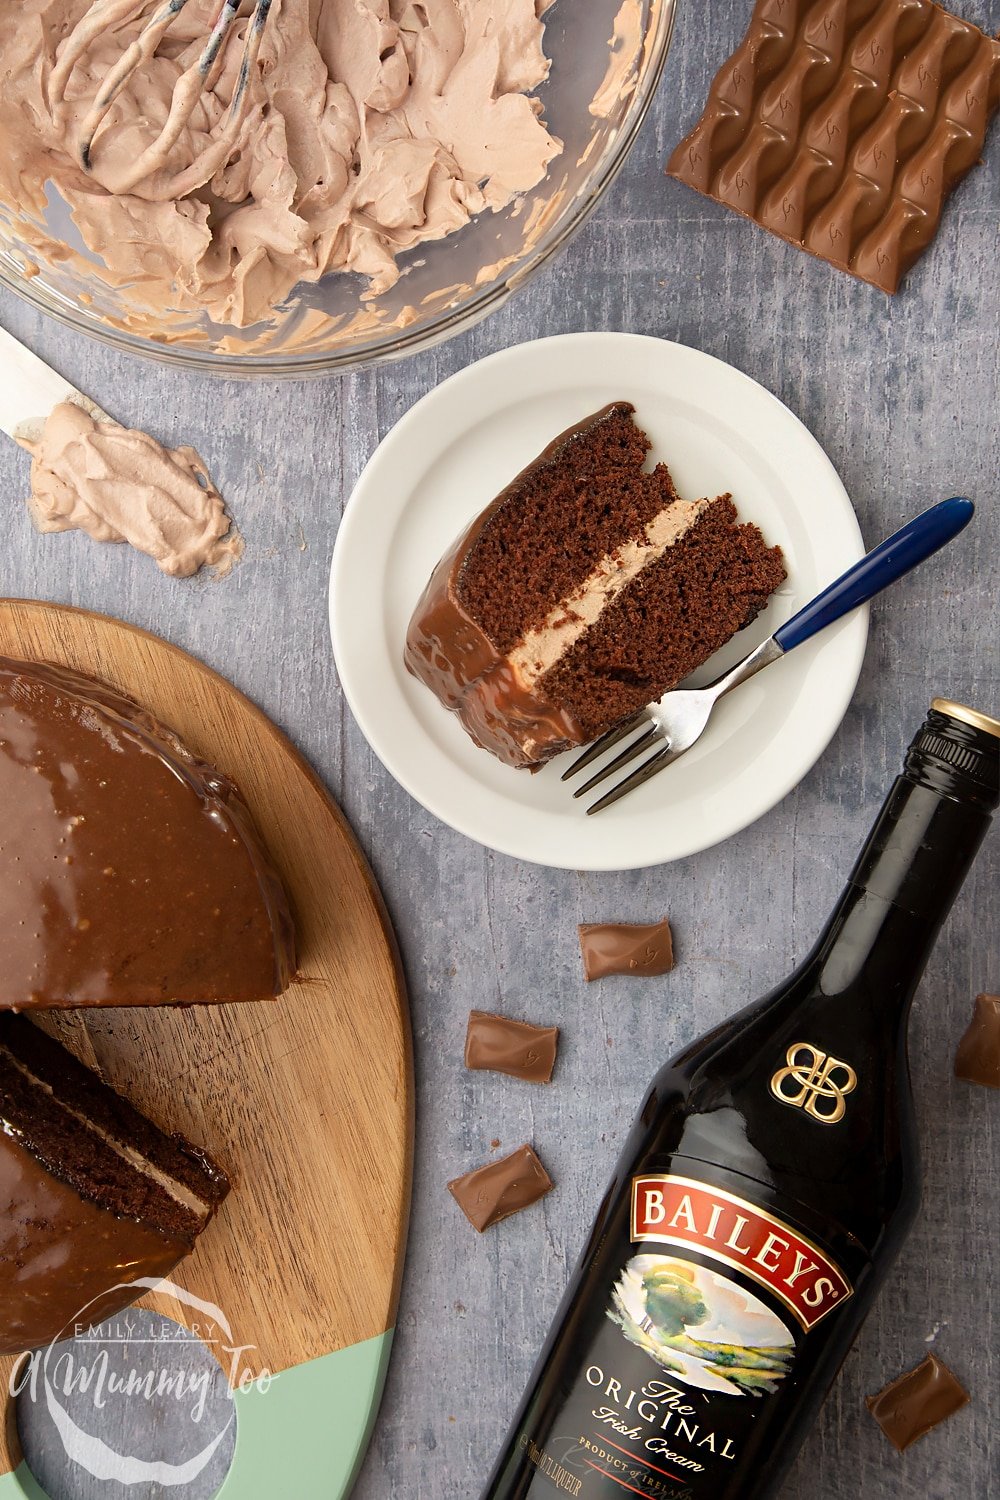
447 285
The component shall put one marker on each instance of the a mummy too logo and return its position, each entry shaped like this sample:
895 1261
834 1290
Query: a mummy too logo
691 1215
139 1399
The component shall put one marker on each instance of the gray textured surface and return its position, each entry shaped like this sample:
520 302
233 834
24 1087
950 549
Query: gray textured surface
904 396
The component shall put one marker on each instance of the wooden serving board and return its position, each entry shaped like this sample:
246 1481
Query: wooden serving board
307 1101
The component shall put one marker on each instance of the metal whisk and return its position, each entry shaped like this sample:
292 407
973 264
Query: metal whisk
103 16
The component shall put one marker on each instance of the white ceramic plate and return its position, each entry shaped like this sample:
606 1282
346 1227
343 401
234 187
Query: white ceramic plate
451 454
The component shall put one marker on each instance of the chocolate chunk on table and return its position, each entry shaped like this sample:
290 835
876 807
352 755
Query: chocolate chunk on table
626 948
978 1057
499 1044
917 1401
501 1188
843 129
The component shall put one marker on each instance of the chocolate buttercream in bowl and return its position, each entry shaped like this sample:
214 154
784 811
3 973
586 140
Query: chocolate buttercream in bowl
396 167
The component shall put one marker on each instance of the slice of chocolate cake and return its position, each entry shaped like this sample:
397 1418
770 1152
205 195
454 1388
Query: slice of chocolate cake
93 1196
130 871
585 591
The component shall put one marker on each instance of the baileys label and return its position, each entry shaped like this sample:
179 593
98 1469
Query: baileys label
683 1355
680 1211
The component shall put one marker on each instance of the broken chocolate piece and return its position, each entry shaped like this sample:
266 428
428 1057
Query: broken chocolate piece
499 1044
843 129
501 1188
626 948
917 1401
978 1057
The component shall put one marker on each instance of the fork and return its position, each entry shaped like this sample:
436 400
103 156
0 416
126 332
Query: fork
679 718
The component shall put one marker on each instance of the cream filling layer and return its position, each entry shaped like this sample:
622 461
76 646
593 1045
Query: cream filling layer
135 1159
539 649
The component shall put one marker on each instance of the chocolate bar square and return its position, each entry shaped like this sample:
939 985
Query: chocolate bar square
843 128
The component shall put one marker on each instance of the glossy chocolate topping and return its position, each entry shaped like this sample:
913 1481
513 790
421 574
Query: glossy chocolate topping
843 128
978 1057
59 1251
92 1193
499 1044
917 1401
449 652
130 871
626 948
501 1188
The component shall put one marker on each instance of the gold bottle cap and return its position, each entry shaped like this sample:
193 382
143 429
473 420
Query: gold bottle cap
967 715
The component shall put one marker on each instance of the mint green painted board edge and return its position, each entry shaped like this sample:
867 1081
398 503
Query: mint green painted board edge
312 1427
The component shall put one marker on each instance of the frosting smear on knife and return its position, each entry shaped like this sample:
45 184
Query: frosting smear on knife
118 484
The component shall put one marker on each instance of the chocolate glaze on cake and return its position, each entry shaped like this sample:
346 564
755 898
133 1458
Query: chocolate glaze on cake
130 870
587 589
92 1195
455 654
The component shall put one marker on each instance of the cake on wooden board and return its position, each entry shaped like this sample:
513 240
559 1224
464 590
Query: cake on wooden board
586 590
93 1195
130 870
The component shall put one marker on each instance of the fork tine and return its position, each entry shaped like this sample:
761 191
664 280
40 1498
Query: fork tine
605 743
628 754
642 773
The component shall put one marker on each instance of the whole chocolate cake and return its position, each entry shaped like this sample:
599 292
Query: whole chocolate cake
93 1196
585 591
130 870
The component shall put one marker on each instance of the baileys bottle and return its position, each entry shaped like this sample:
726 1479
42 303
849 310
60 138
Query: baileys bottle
764 1190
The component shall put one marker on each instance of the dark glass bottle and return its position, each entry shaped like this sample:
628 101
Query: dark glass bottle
764 1190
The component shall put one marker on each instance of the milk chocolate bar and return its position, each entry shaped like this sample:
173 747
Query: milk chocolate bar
626 948
499 1044
917 1401
844 128
501 1188
978 1057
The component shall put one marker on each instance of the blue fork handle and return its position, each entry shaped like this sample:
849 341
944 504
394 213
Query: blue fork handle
917 540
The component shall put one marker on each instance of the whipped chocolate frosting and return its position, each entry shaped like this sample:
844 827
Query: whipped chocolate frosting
130 870
367 128
120 485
